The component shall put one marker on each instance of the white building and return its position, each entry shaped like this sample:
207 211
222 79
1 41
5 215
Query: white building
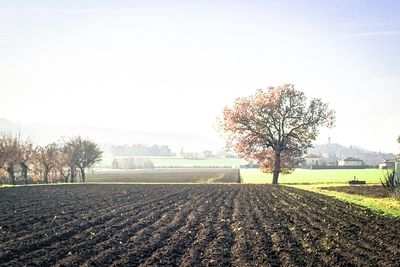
350 161
387 164
312 159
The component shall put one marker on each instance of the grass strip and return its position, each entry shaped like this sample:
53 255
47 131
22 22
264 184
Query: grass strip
386 206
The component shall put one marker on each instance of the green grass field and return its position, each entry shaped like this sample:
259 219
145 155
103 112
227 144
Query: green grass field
210 162
305 176
167 162
388 206
314 180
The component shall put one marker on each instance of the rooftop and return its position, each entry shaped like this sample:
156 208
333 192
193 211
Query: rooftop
309 156
351 159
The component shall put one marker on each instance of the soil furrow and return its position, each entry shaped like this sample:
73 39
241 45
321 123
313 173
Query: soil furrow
190 225
147 241
117 234
336 234
170 253
76 227
195 253
219 249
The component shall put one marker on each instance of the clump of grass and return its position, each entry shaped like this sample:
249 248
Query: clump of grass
390 182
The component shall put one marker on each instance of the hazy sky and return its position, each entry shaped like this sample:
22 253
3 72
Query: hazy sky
173 65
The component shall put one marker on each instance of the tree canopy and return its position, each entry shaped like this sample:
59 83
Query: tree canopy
81 153
275 127
48 158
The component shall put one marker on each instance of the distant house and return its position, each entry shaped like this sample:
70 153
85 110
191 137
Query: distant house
387 164
350 161
312 160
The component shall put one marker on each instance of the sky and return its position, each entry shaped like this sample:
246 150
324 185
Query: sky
172 66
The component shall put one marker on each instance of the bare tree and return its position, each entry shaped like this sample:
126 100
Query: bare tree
62 168
10 154
28 156
71 152
48 159
52 161
275 127
3 151
83 153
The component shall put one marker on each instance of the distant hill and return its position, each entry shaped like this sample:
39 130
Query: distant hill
43 134
335 152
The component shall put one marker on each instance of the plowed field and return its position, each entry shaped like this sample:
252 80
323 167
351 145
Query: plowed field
239 225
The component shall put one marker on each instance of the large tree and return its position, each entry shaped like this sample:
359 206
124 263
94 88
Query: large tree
275 127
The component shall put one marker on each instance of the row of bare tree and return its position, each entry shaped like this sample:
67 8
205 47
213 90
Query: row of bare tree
54 162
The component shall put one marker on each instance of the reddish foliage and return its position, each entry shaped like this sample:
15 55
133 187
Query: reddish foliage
275 126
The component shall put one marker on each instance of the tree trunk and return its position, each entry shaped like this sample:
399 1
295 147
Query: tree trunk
11 174
275 177
65 177
46 175
277 167
24 172
73 175
83 175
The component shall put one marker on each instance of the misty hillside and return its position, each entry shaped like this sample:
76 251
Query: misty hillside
336 152
43 134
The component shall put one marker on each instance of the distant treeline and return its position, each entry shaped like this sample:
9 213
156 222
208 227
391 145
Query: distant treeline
138 150
132 163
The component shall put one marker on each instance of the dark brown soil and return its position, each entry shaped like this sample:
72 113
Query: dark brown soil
190 225
370 191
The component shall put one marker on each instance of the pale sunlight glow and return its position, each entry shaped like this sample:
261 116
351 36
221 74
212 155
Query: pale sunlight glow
172 67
